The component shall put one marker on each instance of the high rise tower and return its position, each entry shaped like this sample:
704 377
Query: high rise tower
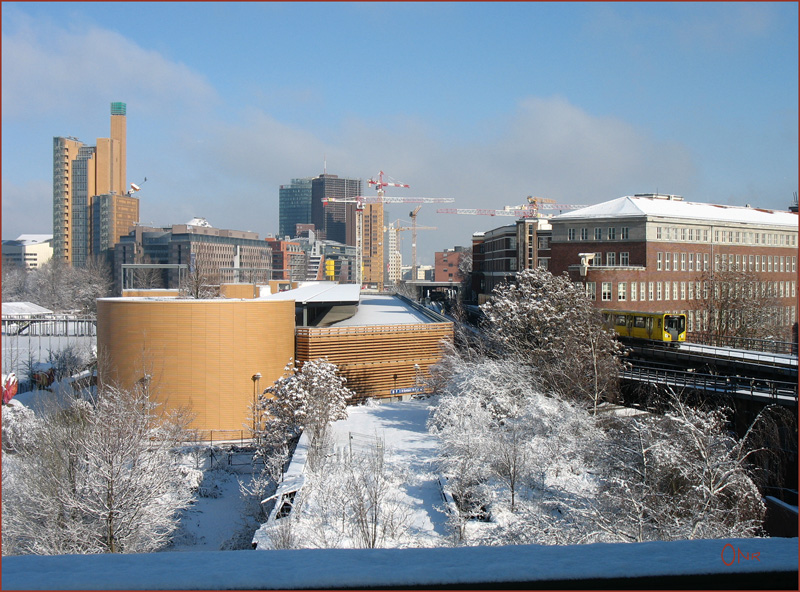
81 174
335 221
294 206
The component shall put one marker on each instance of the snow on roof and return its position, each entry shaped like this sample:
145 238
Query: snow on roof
383 310
638 206
199 222
33 239
320 292
23 309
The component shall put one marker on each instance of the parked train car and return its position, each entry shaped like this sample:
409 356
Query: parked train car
655 326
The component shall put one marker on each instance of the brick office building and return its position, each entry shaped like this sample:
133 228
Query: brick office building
446 265
659 253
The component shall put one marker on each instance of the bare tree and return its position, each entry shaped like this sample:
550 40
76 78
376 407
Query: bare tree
737 303
197 283
99 477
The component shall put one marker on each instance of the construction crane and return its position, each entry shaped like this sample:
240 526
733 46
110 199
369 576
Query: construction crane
380 198
395 257
529 210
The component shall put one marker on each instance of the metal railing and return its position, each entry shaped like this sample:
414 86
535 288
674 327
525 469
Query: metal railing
50 327
734 386
749 343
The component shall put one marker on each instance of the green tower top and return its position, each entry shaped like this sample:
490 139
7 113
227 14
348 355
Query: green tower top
118 108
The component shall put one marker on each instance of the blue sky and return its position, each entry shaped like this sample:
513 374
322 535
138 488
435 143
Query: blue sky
482 102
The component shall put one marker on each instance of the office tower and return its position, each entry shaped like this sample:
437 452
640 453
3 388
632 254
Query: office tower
81 174
294 206
372 246
334 221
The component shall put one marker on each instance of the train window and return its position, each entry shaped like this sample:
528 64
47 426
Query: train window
675 322
638 322
620 320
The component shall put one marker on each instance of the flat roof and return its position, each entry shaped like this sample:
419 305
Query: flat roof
16 309
318 293
383 310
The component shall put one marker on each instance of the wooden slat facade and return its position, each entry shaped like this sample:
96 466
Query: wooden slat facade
376 359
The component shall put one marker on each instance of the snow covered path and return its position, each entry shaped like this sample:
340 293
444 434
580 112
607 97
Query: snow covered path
408 447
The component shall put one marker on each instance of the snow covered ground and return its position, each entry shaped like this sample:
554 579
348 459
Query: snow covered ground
410 451
215 522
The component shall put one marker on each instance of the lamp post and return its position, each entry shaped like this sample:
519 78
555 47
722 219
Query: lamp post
256 377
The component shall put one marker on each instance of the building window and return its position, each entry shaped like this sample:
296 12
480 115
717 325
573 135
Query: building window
571 234
634 292
584 234
612 233
683 234
642 295
691 234
683 290
666 262
705 261
691 290
650 291
683 261
606 291
624 232
544 263
598 234
622 291
674 290
691 261
611 259
624 259
658 290
658 232
659 262
591 291
598 259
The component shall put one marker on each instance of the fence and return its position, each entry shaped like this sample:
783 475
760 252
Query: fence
764 390
748 343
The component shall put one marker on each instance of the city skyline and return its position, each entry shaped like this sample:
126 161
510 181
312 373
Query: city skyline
482 102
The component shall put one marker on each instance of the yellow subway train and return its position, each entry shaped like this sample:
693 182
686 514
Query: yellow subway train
655 326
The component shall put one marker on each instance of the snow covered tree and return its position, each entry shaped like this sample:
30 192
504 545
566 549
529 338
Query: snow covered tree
305 400
98 477
546 321
680 476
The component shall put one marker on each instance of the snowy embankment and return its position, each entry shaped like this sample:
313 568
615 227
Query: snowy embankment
518 566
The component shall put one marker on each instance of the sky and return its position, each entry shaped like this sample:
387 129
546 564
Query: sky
485 103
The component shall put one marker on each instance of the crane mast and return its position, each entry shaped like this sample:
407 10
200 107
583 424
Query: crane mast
380 198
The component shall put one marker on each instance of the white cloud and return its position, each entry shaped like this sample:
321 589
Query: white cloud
47 68
226 162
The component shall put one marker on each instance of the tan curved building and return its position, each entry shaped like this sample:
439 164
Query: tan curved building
200 354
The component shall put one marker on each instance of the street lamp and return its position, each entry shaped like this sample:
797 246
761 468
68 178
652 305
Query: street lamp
256 377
